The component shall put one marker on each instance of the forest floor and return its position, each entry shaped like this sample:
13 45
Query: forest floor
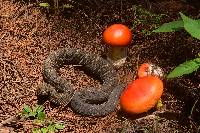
28 33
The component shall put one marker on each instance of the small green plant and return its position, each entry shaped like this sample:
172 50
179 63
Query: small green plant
38 115
46 5
144 16
192 26
35 112
51 128
144 20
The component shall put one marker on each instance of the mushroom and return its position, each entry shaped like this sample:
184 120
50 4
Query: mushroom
141 95
147 69
118 37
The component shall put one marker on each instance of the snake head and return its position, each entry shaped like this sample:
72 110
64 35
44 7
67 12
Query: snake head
58 98
61 98
43 89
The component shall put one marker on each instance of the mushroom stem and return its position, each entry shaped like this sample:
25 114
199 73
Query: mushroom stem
117 55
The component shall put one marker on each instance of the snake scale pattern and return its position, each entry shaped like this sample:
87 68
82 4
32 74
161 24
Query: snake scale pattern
88 101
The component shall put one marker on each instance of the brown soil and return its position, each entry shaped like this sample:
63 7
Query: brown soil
29 32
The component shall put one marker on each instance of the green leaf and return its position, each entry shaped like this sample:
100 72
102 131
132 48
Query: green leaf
191 26
44 4
41 116
27 109
39 108
44 130
36 130
35 109
170 27
51 128
59 126
32 114
68 6
185 68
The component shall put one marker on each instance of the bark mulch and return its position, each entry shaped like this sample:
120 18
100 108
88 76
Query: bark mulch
28 33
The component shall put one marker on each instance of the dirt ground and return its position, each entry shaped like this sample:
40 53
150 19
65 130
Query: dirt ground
28 33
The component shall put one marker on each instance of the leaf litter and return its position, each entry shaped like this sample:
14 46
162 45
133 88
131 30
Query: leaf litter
27 35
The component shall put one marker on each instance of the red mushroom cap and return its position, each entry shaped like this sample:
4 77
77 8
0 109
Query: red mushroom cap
117 35
141 95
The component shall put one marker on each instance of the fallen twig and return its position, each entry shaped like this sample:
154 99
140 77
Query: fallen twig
147 117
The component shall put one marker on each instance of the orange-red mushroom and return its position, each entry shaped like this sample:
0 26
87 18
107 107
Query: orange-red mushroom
147 69
118 37
143 70
141 95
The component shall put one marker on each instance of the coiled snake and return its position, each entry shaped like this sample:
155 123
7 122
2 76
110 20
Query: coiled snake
90 101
